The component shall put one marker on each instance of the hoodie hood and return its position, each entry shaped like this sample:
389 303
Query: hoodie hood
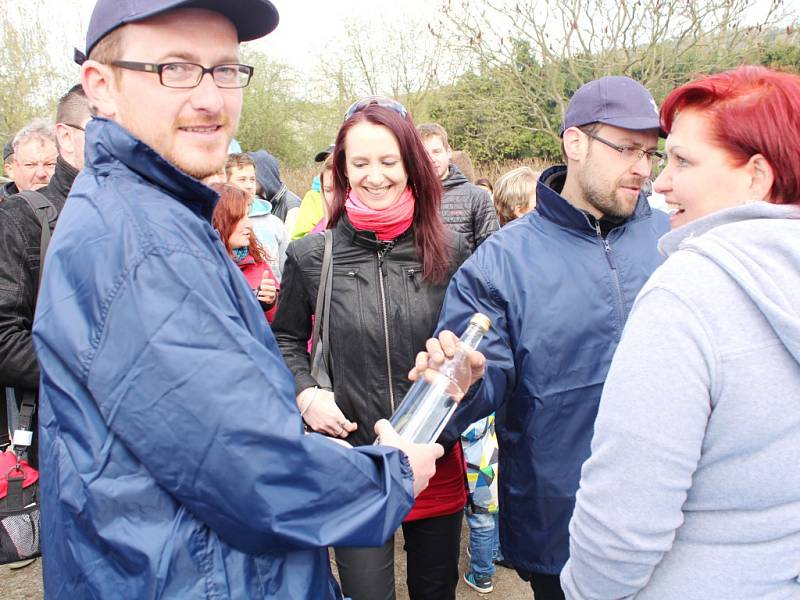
260 207
268 172
454 178
756 246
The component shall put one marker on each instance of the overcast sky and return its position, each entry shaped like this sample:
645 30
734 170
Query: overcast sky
306 26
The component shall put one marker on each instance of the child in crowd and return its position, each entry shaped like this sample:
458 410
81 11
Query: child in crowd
485 184
480 451
515 194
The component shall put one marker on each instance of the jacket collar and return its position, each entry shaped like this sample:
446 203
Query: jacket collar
454 177
107 142
554 207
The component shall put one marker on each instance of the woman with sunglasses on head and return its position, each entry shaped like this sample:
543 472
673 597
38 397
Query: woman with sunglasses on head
236 232
692 490
392 260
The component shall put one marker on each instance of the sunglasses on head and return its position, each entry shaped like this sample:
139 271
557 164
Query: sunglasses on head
377 101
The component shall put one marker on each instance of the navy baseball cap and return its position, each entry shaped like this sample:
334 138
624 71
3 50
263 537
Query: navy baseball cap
614 100
252 18
8 150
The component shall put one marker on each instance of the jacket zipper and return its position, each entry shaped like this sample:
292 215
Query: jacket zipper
381 253
615 273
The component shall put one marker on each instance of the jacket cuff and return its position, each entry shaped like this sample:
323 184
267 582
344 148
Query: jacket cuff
303 381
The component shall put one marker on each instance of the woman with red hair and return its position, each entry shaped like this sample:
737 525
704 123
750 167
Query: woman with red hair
236 232
692 490
392 260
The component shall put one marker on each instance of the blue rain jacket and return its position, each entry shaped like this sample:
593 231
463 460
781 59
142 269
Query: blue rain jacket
558 299
173 459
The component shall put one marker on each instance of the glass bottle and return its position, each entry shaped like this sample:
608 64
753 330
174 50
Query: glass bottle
429 404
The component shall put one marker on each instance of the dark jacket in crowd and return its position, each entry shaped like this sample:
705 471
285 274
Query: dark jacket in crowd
275 191
369 385
7 190
19 276
20 237
468 209
174 462
558 294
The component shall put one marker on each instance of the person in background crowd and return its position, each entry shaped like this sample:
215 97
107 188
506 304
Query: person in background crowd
284 203
236 232
312 211
515 194
20 239
326 194
699 424
8 170
269 229
571 270
463 163
392 259
174 461
480 452
485 184
465 208
34 157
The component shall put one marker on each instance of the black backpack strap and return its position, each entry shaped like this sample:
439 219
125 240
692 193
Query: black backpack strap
47 214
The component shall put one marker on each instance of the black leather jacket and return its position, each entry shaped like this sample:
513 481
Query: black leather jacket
375 331
468 209
20 234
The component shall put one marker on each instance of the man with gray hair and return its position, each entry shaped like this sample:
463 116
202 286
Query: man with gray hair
34 157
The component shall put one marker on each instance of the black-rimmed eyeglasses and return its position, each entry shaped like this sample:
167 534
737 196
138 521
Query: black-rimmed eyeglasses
187 75
630 153
382 101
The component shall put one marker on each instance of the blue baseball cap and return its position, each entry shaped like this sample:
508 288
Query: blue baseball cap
614 100
252 18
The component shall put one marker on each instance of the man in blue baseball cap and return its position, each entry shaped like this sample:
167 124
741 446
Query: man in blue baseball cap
174 462
558 286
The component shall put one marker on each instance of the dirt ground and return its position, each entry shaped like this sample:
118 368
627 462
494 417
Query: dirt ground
26 584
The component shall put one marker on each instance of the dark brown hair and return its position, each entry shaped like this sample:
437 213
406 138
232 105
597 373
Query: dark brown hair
429 232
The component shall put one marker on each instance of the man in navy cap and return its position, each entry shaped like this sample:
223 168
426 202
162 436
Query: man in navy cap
174 463
558 286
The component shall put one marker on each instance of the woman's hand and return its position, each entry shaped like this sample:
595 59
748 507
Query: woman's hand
268 290
320 412
427 363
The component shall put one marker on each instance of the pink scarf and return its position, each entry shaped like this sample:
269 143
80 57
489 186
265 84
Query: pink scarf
387 223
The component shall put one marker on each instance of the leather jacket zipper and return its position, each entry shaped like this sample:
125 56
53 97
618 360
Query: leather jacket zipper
384 310
615 273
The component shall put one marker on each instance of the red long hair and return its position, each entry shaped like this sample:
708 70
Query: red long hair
232 208
752 110
429 232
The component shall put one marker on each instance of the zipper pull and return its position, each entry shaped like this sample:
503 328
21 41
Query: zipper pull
412 275
609 254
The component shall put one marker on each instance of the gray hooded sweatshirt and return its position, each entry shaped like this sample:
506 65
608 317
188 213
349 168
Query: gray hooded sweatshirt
692 490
